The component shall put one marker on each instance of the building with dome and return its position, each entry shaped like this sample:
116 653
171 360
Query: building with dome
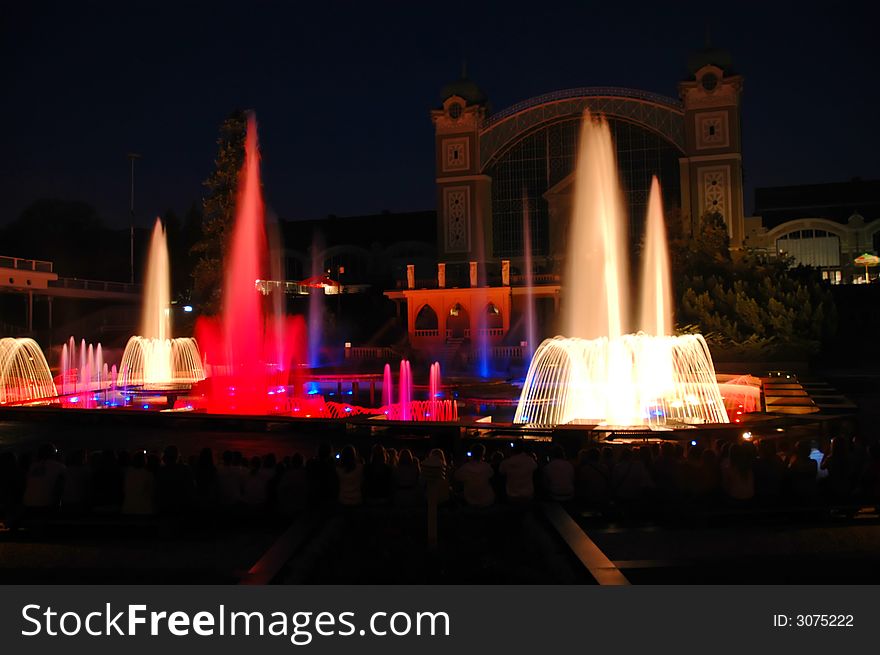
505 190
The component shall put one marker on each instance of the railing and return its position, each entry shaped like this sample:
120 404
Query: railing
369 352
540 278
266 286
94 285
22 264
493 279
500 352
490 332
427 333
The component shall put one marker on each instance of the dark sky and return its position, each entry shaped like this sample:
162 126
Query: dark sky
342 90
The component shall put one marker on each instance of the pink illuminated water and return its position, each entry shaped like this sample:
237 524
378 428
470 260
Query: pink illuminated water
83 369
387 386
405 390
406 408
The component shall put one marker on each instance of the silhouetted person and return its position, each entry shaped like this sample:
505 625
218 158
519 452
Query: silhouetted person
519 470
350 473
557 475
107 483
255 485
475 478
406 477
272 473
592 482
207 485
667 473
293 487
499 481
435 473
769 472
708 485
229 477
377 477
690 472
837 462
323 481
139 487
45 480
174 483
630 480
738 478
77 480
802 471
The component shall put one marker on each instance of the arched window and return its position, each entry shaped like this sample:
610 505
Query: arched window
426 319
494 320
458 323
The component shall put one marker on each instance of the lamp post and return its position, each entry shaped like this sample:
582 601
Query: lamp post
131 157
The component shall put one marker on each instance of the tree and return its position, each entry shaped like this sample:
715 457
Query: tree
218 212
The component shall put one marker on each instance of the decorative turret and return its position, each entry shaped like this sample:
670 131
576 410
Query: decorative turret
463 193
711 170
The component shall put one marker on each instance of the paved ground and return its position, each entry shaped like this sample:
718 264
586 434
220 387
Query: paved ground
743 550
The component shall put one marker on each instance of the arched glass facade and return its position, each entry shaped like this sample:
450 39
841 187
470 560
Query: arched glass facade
541 159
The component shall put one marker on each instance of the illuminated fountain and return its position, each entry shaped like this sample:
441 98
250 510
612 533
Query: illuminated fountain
24 372
82 370
153 358
250 351
600 373
387 386
435 408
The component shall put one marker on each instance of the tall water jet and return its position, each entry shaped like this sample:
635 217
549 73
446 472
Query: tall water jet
248 351
387 387
156 307
316 303
531 327
279 310
64 368
599 373
243 327
153 357
597 241
434 387
655 315
405 389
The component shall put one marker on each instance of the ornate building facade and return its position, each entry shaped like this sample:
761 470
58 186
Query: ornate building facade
505 187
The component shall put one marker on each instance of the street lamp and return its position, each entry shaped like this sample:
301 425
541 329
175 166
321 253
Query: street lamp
131 157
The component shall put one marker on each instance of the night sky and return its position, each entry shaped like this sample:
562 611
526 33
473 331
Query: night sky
343 91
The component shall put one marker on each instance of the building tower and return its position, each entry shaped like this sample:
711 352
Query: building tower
711 170
464 201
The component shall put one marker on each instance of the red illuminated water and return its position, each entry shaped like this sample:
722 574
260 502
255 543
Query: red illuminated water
249 350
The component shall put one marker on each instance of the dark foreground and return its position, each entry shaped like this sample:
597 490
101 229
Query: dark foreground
647 517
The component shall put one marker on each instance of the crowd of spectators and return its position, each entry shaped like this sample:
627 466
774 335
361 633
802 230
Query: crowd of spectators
767 473
142 483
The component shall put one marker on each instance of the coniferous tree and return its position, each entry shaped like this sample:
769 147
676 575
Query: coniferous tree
218 213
